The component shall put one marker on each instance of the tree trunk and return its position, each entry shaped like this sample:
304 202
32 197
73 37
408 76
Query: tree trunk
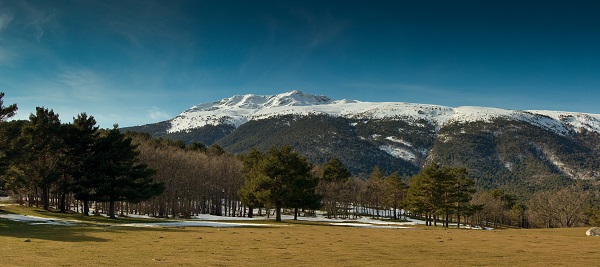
250 212
295 214
63 202
111 209
86 207
278 213
457 218
46 198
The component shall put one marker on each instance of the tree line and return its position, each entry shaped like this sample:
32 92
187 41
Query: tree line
78 166
48 163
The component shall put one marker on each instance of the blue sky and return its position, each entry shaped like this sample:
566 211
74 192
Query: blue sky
138 62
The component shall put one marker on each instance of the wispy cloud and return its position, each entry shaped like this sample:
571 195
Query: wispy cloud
39 19
83 83
156 113
5 19
6 56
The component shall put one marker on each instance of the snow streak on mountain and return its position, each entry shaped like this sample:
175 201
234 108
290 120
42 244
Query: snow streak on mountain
240 109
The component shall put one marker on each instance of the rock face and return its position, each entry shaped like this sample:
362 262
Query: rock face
594 231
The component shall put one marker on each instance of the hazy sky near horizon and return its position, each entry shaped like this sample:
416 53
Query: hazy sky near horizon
139 62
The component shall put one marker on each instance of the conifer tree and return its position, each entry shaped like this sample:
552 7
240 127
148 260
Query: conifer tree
395 191
462 189
118 176
334 177
437 190
334 170
44 144
80 138
374 190
6 112
282 178
254 193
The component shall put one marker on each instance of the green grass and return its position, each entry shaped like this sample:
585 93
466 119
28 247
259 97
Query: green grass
289 244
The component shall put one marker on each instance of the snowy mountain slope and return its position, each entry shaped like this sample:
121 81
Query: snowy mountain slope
240 109
500 147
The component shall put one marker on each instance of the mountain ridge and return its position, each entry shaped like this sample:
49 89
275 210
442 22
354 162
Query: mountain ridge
240 109
499 147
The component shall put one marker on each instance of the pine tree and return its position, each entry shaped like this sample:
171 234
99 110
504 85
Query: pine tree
118 176
424 193
462 189
437 190
80 138
334 177
6 112
44 146
395 191
334 170
374 190
254 193
282 178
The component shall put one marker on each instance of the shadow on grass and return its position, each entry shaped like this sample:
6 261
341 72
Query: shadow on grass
70 233
61 233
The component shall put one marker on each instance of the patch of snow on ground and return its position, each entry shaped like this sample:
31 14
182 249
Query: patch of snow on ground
396 140
190 223
35 219
206 220
398 152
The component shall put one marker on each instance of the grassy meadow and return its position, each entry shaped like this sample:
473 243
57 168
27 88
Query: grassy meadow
102 242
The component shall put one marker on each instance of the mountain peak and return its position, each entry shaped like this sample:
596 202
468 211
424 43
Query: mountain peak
239 109
252 101
296 98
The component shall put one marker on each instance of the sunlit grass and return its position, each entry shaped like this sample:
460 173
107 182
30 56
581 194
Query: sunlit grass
291 244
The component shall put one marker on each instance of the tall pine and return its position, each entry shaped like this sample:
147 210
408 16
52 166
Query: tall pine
43 150
117 175
81 137
281 178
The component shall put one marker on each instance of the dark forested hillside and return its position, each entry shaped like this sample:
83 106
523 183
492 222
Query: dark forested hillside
207 135
516 154
502 153
320 138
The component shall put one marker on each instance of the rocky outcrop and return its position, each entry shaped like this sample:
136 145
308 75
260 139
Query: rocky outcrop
594 231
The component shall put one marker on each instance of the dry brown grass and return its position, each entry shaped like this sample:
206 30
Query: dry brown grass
292 244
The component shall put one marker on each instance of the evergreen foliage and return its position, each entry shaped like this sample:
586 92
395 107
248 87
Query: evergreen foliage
6 112
440 190
281 178
116 174
80 140
44 142
208 134
319 138
334 170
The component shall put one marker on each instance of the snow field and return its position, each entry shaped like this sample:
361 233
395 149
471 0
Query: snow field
240 109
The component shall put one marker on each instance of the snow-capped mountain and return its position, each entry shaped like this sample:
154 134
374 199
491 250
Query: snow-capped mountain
498 146
240 109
